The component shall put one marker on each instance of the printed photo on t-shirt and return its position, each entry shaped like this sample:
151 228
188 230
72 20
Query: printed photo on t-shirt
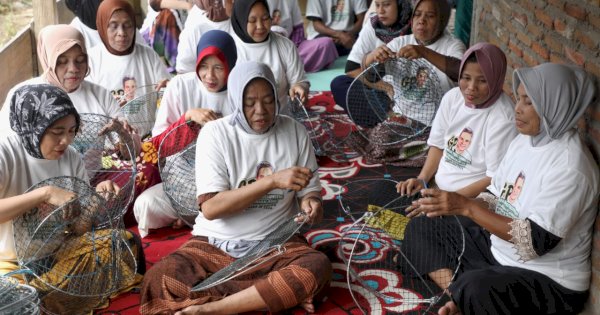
270 200
127 90
457 153
509 198
337 11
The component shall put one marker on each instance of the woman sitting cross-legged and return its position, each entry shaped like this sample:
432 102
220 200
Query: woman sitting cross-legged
528 240
257 172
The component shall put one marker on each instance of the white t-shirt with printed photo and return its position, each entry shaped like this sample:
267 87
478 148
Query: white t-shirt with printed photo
335 14
473 140
557 188
109 71
228 158
289 13
185 92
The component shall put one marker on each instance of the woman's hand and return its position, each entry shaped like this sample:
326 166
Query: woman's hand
411 52
382 53
437 202
161 85
201 115
107 189
58 197
312 207
293 178
344 38
299 90
410 186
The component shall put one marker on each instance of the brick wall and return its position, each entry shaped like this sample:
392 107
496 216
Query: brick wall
531 32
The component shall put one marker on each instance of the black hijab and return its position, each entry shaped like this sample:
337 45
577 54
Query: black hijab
239 18
85 10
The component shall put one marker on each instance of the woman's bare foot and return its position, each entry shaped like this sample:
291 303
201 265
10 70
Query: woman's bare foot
308 305
449 309
178 224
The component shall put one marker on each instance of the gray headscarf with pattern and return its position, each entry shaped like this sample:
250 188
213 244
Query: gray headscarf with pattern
240 76
34 108
560 95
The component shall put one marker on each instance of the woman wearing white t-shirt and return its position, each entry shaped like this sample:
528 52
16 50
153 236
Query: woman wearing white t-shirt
62 55
251 22
200 97
472 128
533 230
240 204
120 65
45 123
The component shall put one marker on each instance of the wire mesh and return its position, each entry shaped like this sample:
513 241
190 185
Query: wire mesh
17 298
400 96
75 251
272 243
100 141
385 239
373 191
140 109
177 160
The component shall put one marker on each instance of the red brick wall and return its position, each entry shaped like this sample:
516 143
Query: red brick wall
531 32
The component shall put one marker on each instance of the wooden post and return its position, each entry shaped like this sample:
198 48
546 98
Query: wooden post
44 13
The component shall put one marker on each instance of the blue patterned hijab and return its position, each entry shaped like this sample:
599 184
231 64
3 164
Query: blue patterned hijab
34 108
240 76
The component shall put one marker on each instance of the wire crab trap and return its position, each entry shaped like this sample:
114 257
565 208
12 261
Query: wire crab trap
268 248
320 128
373 192
75 254
395 101
384 242
140 109
176 163
17 298
107 151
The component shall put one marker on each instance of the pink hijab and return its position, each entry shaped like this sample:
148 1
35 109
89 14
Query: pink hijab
492 61
53 41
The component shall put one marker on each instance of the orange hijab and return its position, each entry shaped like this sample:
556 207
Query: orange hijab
105 12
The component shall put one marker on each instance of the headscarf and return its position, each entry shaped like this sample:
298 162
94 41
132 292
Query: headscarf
239 18
492 61
85 10
214 9
399 28
244 72
53 41
105 12
443 11
560 95
34 108
220 44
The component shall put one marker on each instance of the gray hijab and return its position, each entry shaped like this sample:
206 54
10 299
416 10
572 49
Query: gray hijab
240 76
560 95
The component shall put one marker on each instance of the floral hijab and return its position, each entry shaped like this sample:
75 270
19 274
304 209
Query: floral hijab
105 12
492 61
244 72
220 44
239 18
34 108
53 41
399 28
560 95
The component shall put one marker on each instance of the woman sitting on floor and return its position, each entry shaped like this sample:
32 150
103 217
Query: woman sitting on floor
251 22
45 123
429 40
528 239
240 207
472 128
200 97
